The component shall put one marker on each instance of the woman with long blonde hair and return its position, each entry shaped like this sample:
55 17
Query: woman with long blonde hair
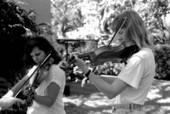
131 86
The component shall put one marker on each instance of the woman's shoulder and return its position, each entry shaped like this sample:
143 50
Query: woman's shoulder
56 68
144 52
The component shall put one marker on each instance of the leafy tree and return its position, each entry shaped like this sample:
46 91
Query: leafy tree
67 17
15 25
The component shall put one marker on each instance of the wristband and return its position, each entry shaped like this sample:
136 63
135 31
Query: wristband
88 73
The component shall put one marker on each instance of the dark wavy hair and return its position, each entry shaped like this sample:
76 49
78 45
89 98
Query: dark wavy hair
43 44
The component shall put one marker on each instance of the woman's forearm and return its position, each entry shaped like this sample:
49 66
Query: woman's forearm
108 79
44 100
101 83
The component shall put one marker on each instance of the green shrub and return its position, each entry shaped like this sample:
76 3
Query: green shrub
162 57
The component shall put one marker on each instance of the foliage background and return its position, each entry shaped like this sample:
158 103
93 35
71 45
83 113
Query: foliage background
15 25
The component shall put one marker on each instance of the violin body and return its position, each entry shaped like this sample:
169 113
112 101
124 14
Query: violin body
115 54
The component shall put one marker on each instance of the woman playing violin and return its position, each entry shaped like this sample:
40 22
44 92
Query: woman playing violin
132 84
48 94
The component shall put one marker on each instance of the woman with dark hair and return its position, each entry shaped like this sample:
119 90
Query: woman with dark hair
49 93
49 80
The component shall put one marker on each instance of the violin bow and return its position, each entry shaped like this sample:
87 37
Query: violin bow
125 18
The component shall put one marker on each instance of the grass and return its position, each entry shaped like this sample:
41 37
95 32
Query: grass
89 100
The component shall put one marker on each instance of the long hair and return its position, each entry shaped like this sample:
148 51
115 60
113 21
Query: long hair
134 28
43 44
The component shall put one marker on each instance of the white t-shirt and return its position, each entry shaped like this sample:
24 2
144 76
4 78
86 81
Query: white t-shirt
57 75
139 74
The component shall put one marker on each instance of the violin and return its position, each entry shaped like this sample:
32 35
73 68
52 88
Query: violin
115 54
